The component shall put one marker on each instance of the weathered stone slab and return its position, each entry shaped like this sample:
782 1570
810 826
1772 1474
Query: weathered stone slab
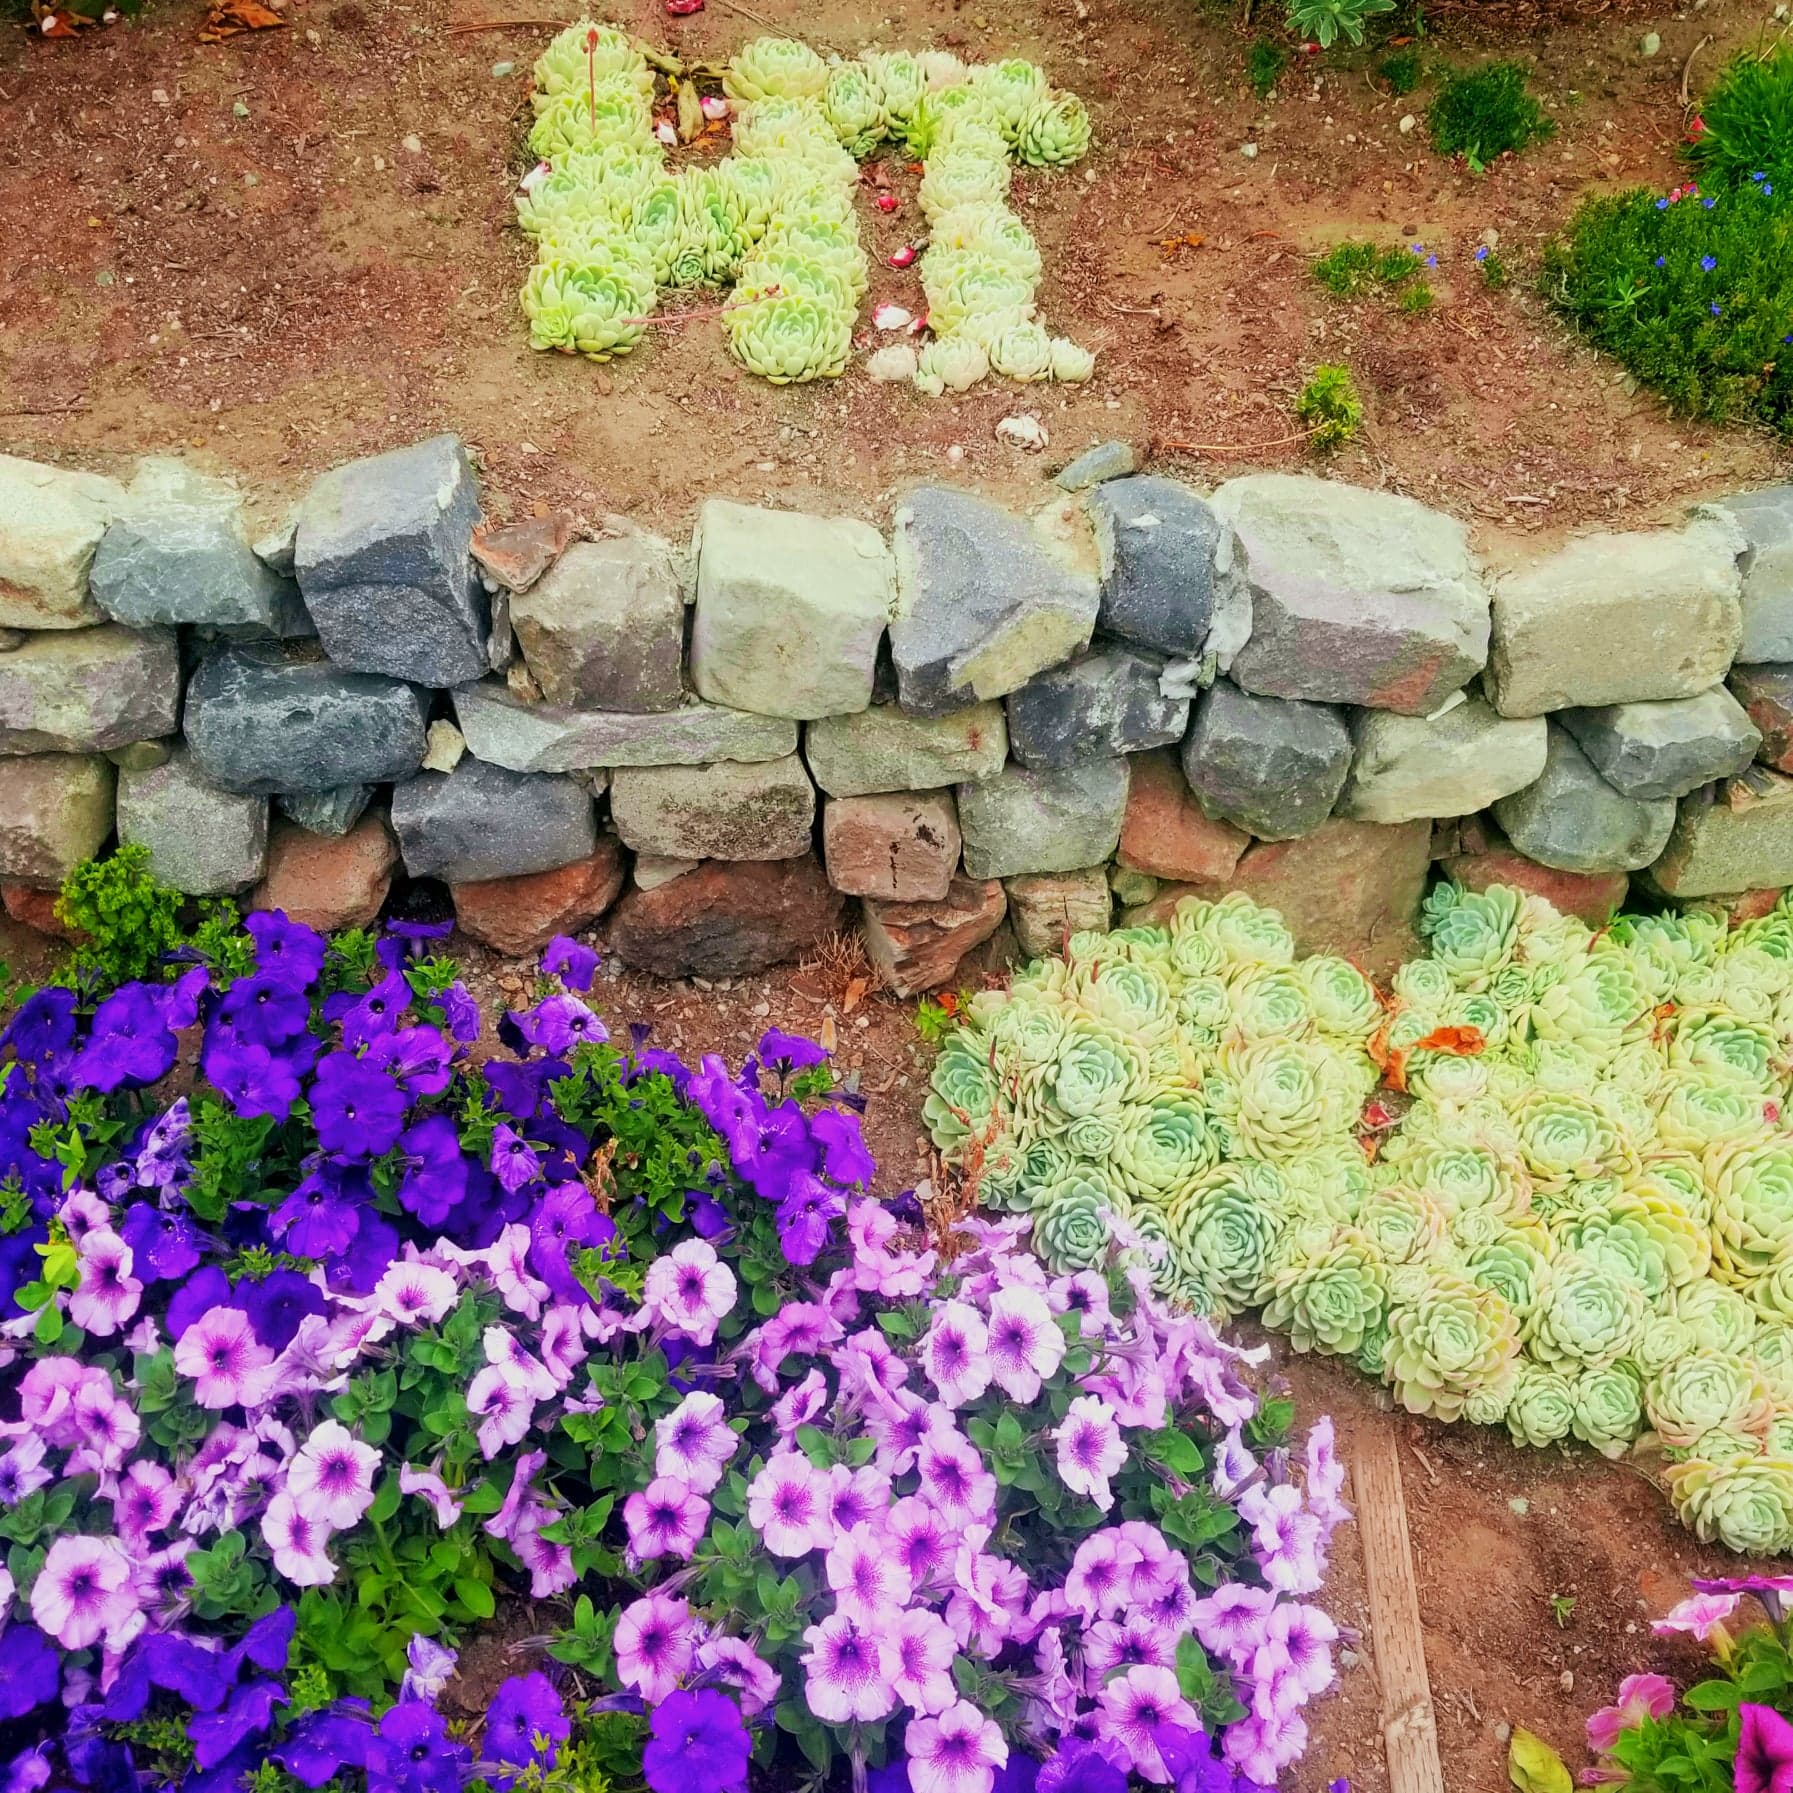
1102 703
1406 767
1023 822
762 811
1171 574
651 870
726 918
88 690
202 839
1107 460
481 821
328 881
983 603
521 915
1269 765
261 720
1596 897
604 629
1765 521
1766 694
55 811
1615 619
1046 910
1166 833
1357 597
382 556
918 946
513 556
902 847
790 611
1666 749
524 737
1574 821
51 522
886 749
1736 836
334 811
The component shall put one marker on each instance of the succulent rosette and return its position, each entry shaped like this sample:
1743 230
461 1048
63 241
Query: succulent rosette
1073 1224
1541 1407
963 1100
592 307
854 105
1333 1302
789 339
774 68
1404 1226
1703 1392
1162 1148
1010 89
1715 1044
1595 1006
1472 934
900 81
1278 1103
1587 1315
1515 1264
1022 352
1608 1408
614 116
1227 1231
1054 133
1715 1315
1072 364
1744 1502
985 229
1456 1338
1752 1207
956 177
1564 1137
584 55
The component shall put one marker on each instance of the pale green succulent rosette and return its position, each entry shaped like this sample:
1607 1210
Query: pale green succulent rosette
1333 1302
943 112
1279 1098
1586 1316
1248 934
658 223
900 81
1010 89
1271 1002
1771 1355
1404 1226
1515 1264
961 177
854 105
1541 1409
1547 937
979 286
1133 998
1055 133
1715 1045
1163 1148
1772 1294
710 242
1472 934
1022 352
951 364
1488 1406
1703 1392
1481 1011
1073 1225
1459 1177
1608 1404
1716 1317
1684 1242
1098 1070
963 1095
1332 1181
1637 1068
752 187
774 68
985 229
790 339
1563 1136
613 117
1623 1247
1425 985
1095 1136
1699 1114
1595 1006
1158 1253
1456 1339
1026 1036
1449 1076
1663 1339
1742 1502
584 54
588 307
1471 1228
1194 952
798 274
1752 1207
1204 1010
1777 1441
1227 1230
1343 1001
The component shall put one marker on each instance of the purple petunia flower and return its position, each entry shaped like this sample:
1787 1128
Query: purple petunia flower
515 1162
787 1052
131 1042
696 1740
30 1671
284 949
525 1708
666 1518
806 1218
654 1641
411 1752
573 964
323 1743
263 1010
354 1108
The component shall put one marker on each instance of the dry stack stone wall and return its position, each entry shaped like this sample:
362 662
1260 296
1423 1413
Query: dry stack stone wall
1288 686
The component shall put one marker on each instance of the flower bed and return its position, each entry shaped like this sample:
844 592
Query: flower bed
330 1338
1546 1185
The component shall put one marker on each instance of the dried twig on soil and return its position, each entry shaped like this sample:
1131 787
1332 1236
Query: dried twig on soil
1234 447
1687 67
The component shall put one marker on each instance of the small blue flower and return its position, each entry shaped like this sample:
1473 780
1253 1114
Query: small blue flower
1708 263
1662 205
1431 261
1482 253
1416 248
1768 188
1788 337
1758 175
1708 203
1717 310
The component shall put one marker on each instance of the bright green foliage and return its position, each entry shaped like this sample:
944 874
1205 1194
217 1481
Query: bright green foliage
1748 123
1401 69
1329 20
126 917
1692 293
1265 63
1329 407
1493 270
1415 297
1486 112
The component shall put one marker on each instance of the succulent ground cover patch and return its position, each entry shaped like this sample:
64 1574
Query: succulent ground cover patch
1545 1183
330 1338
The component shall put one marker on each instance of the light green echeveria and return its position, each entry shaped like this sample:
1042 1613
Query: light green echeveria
592 308
1331 1181
1563 1137
790 339
1071 362
1156 1250
1772 1295
1404 1226
1466 1176
1471 934
1271 1002
941 113
1442 1348
1777 1441
1716 1317
1098 1070
1342 1000
1424 985
963 1093
1586 1316
985 229
1624 1246
1703 1391
1247 933
855 107
1162 1148
901 82
1663 1339
1055 132
1133 998
614 117
1095 1136
1227 1230
586 54
1026 1036
1541 1409
1331 1303
1547 937
1011 88
711 243
1752 1207
1742 1502
1515 1264
1608 1406
1684 1242
1594 1007
774 68
961 177
976 284
1194 952
1071 1228
1022 352
1279 1101
1718 1046
1469 1229
1449 1076
951 364
798 274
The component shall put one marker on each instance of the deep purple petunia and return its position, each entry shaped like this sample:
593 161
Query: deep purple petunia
844 1154
277 1304
285 949
417 1059
164 1246
358 1267
1194 1768
264 1011
1085 1765
130 1042
696 1740
30 1670
253 1080
357 1111
43 1027
573 964
374 1011
248 1713
1764 1751
317 1219
786 1052
460 1013
524 1708
325 1742
435 1179
515 1162
806 1218
208 1287
412 1752
770 1146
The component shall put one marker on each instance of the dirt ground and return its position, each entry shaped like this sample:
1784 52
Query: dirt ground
296 246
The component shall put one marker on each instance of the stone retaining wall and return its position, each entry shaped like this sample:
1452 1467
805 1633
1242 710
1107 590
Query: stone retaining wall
1291 687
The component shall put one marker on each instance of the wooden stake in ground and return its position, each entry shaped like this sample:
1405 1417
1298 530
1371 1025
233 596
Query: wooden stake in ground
1409 1724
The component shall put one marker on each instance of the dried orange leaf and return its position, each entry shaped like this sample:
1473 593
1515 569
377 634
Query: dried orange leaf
854 996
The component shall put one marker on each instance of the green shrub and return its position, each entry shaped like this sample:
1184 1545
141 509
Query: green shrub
126 918
1329 408
1493 269
1264 65
1354 267
1326 21
1693 293
1401 70
1747 124
1483 113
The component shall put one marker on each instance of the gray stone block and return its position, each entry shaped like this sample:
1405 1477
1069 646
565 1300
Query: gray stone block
201 839
886 749
89 690
1765 521
1021 823
262 721
1107 460
1171 579
762 811
1406 767
1357 597
1730 837
480 822
1666 749
167 562
51 522
790 611
501 728
1104 703
983 603
332 812
1572 820
1270 765
1618 619
55 811
604 627
383 558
